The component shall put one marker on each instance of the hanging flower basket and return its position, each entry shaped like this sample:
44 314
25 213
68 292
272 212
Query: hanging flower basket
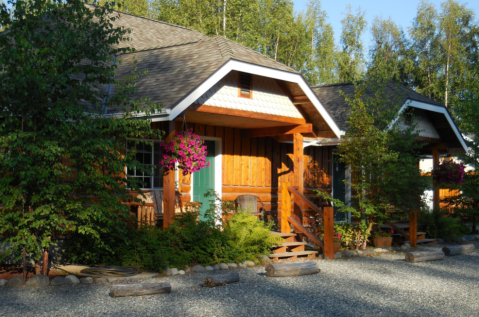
187 150
449 173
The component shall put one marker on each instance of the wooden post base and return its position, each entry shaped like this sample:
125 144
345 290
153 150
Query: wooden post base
422 256
292 269
221 279
459 249
139 289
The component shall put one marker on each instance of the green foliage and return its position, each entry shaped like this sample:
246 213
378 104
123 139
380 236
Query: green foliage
63 160
347 233
437 224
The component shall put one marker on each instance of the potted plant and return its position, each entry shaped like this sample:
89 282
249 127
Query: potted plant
449 173
187 150
382 239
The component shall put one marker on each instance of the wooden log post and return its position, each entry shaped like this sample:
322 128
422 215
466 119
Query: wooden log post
413 229
421 256
45 262
459 249
169 198
285 208
328 221
298 162
435 163
221 279
139 289
292 269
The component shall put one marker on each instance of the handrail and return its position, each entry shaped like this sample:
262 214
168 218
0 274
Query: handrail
305 200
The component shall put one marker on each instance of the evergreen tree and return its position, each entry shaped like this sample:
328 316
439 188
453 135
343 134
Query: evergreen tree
351 59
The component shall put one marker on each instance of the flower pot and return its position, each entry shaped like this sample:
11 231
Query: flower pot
383 241
336 246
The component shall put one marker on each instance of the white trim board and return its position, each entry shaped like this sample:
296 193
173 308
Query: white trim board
255 70
433 108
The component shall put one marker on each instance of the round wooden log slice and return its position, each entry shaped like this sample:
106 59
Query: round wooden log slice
459 249
221 279
292 269
421 256
139 289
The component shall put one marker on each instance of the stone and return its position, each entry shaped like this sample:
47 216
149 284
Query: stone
101 280
198 269
223 266
17 281
174 271
249 263
38 281
349 254
60 281
439 241
73 279
264 258
181 272
216 267
86 280
470 237
405 247
3 282
242 265
380 250
338 255
209 268
188 270
232 265
168 271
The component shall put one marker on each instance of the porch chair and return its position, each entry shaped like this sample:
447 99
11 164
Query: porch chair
250 203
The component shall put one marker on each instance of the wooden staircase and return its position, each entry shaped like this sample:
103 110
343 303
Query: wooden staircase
401 233
291 248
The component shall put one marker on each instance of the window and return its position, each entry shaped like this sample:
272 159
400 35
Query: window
148 155
244 88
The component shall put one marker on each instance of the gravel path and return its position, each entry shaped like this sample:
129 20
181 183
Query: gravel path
362 286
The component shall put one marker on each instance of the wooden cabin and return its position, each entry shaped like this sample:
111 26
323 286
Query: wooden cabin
265 128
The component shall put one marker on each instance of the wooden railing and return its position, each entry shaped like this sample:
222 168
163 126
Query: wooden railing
327 213
146 215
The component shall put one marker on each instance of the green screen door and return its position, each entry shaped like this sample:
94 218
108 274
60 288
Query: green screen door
204 180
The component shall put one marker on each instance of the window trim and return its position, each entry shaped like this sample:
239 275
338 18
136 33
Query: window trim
241 95
152 165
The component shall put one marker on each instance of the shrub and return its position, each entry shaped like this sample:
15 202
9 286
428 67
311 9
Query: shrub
437 224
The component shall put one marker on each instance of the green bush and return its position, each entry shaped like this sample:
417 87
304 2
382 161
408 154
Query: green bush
437 224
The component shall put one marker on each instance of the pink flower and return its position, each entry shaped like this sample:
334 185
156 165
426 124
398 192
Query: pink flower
180 153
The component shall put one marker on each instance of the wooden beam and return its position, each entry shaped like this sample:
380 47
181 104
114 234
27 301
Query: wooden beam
275 131
244 114
298 162
169 185
437 147
285 209
435 163
413 228
328 221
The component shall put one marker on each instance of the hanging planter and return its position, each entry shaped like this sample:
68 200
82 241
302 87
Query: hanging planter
449 173
187 150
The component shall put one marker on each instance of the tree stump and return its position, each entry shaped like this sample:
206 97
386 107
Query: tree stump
221 279
459 249
139 289
292 269
421 256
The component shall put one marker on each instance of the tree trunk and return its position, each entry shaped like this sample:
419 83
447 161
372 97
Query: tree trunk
292 269
221 279
139 289
422 256
224 17
447 75
459 249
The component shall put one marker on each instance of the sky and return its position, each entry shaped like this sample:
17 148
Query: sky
401 11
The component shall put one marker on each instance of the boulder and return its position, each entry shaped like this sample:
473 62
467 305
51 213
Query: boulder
86 280
181 272
232 265
17 281
174 271
223 266
188 270
3 282
209 268
338 255
60 281
168 271
439 241
264 259
380 250
73 279
198 269
38 281
249 263
216 267
101 280
349 254
405 246
242 265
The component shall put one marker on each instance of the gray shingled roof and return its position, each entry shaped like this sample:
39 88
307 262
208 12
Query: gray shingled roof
332 99
177 59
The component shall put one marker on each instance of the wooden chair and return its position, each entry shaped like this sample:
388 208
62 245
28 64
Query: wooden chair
250 203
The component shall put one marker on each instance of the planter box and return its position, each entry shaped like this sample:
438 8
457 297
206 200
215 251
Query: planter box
383 241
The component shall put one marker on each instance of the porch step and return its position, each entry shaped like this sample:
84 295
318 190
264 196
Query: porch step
283 235
292 254
293 244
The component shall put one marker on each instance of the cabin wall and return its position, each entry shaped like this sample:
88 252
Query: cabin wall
260 165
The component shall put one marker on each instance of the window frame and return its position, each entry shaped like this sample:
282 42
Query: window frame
240 94
152 177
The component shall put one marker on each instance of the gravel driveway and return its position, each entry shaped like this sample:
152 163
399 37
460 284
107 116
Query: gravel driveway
362 286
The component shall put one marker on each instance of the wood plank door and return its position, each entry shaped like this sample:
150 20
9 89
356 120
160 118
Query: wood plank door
204 179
